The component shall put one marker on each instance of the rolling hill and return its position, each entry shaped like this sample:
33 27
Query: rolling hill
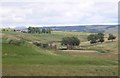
17 60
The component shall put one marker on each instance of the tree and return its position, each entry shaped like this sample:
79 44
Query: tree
111 37
94 38
43 30
3 29
101 40
100 37
70 42
90 37
29 29
38 30
32 30
49 31
93 41
14 30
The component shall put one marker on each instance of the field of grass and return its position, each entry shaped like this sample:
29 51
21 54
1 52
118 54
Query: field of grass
54 37
30 60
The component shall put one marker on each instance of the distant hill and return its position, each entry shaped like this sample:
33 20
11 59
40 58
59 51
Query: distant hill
81 28
85 28
69 28
113 30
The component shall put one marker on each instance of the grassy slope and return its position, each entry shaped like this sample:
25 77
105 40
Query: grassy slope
17 60
30 55
55 36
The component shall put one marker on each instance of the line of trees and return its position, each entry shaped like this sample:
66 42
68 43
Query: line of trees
93 38
99 37
8 29
38 30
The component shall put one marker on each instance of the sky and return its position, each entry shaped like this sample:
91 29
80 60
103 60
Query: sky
16 13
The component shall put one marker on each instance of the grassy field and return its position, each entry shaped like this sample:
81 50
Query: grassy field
30 60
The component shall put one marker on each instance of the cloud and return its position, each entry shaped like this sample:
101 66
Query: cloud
58 12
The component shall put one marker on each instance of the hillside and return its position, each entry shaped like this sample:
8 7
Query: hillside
17 60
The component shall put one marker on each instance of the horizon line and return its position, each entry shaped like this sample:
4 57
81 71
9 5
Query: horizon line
52 25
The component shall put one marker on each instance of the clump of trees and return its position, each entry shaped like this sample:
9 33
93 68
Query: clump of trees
70 42
8 29
99 37
38 30
95 38
111 37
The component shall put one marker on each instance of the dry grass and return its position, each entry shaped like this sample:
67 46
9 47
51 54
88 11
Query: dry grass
61 71
34 61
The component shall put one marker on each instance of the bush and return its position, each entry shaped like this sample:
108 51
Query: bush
45 45
111 37
37 44
16 42
41 44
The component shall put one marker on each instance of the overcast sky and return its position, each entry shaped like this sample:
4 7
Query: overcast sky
57 12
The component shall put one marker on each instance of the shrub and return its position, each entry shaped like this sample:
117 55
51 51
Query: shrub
45 45
37 44
111 37
16 42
